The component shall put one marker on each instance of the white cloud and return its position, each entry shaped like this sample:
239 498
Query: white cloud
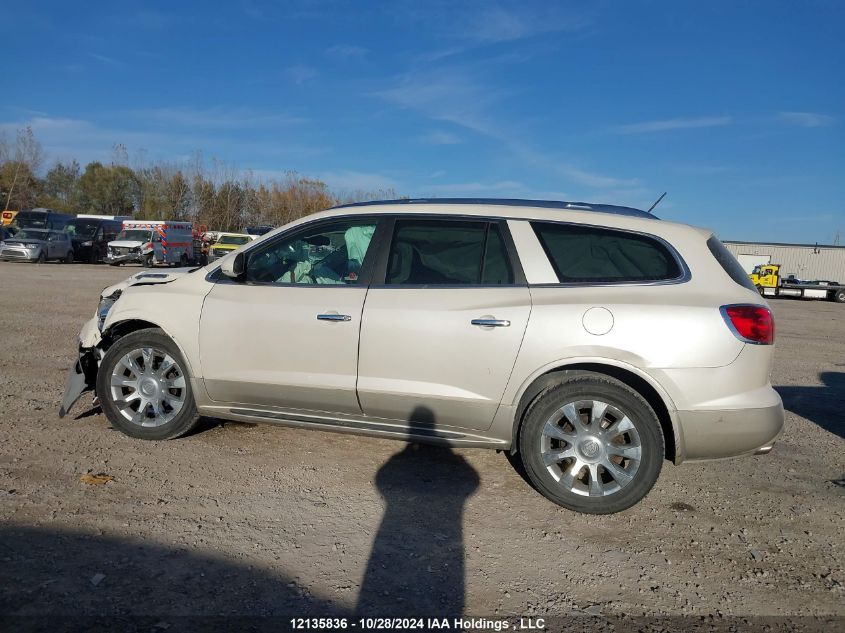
109 61
342 51
806 119
673 124
300 74
440 137
351 181
216 117
476 187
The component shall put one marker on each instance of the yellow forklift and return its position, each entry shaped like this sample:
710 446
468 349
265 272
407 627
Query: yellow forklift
769 283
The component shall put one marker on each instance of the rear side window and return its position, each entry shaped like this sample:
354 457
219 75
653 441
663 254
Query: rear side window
587 254
728 262
447 252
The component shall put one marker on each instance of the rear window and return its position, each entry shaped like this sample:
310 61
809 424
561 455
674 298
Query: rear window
586 254
728 262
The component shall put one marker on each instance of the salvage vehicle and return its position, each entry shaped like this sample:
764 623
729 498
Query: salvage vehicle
228 242
587 342
41 218
7 217
37 246
151 242
91 235
768 281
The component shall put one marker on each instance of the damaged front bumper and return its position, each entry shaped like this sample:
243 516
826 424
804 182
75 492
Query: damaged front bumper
82 376
129 258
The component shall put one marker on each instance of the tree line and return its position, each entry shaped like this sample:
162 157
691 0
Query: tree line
212 192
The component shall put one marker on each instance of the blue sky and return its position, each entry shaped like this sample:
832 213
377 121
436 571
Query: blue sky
737 109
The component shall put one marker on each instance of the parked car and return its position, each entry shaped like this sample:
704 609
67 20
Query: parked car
41 218
90 237
37 245
588 342
228 242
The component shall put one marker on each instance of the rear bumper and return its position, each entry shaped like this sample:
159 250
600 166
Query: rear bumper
731 432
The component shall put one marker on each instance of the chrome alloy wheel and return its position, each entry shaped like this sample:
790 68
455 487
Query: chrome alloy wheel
591 448
148 387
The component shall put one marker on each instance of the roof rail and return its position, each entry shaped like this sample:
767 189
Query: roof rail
511 202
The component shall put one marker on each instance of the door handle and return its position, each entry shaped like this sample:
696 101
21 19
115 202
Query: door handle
334 317
491 322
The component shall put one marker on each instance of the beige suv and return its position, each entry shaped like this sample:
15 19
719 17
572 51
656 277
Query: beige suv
588 342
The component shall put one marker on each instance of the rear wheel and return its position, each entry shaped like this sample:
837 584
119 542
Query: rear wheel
591 444
144 387
839 296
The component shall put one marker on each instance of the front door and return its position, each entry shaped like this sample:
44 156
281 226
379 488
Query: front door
286 335
440 336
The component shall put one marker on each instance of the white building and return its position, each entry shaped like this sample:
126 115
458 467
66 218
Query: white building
805 261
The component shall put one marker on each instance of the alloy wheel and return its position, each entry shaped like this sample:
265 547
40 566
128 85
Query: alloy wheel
148 387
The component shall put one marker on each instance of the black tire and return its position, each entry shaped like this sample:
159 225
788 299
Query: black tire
589 386
68 258
41 258
183 261
183 422
839 296
148 261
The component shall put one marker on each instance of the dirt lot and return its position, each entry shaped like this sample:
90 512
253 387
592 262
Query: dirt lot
257 520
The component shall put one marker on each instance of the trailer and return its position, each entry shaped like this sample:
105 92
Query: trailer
768 281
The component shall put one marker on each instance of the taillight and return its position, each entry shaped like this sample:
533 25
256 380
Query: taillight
750 323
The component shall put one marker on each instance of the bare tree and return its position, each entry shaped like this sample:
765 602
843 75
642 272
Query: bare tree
27 157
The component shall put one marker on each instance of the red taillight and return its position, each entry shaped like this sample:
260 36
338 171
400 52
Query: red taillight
751 324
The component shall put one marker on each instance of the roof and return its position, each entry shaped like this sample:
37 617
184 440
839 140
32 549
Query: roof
510 202
817 245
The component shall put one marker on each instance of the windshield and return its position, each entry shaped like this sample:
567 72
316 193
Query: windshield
31 234
82 228
135 235
233 239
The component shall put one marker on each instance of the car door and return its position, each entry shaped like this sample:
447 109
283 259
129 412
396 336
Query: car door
53 245
286 335
441 331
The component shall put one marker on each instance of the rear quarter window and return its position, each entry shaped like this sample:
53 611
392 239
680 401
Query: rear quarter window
729 263
587 254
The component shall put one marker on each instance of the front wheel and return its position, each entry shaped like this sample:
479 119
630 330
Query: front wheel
148 261
591 444
41 258
144 387
839 296
69 257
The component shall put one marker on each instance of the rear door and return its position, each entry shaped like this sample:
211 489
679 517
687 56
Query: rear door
443 323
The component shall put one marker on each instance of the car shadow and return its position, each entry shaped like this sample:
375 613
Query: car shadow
416 564
821 405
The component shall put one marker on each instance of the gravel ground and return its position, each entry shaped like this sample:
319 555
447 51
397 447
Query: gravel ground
258 520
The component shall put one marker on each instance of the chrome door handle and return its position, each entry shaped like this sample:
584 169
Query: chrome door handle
491 322
334 317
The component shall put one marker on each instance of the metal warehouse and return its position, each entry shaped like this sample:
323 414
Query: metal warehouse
805 261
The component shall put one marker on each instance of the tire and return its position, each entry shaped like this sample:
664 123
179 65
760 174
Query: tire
183 261
68 258
148 261
138 416
41 258
634 454
839 296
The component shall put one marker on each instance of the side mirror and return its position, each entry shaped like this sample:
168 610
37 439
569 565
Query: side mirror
233 267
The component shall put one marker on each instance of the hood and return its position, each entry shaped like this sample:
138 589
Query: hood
13 240
147 277
128 243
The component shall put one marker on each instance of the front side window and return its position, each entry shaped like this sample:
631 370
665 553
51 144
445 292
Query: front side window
330 254
588 254
447 252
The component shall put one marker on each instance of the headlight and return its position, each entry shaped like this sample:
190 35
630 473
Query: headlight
103 308
88 243
137 249
32 246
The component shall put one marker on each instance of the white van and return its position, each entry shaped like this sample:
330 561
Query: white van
150 242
